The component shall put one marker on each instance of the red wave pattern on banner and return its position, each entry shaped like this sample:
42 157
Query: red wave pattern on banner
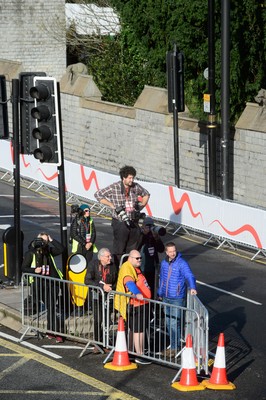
12 152
26 165
243 228
49 178
148 210
177 206
87 181
147 207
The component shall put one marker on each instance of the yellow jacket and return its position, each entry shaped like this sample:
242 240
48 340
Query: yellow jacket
120 302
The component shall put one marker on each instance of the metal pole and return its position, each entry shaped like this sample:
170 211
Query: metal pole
62 194
212 117
225 95
175 119
16 175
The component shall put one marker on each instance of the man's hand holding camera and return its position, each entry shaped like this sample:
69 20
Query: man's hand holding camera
121 213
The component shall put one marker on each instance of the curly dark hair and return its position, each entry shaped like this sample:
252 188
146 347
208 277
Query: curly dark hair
127 170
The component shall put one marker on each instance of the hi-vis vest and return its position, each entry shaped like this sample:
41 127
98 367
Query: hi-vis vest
121 302
33 265
75 244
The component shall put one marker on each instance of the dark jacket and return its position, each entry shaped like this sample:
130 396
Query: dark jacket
80 226
42 257
149 248
95 274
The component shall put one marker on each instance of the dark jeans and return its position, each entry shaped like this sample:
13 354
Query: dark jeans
125 239
173 321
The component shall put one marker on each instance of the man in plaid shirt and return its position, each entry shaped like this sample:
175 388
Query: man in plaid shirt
126 198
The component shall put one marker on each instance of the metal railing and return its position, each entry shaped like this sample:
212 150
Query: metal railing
85 313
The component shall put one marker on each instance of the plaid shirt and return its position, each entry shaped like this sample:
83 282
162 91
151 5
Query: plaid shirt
116 194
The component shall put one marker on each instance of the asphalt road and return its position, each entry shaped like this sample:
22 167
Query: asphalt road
230 285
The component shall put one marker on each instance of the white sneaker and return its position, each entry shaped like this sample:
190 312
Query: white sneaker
142 361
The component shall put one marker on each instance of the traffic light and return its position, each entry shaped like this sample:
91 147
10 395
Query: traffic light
175 80
45 113
27 123
4 131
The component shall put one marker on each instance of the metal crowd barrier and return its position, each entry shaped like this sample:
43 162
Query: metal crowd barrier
85 313
193 320
63 308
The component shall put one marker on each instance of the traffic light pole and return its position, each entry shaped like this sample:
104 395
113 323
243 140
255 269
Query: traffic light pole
212 125
175 121
16 175
62 193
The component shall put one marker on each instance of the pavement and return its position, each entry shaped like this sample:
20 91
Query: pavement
10 306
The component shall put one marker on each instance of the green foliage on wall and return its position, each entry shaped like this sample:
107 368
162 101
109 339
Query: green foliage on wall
149 28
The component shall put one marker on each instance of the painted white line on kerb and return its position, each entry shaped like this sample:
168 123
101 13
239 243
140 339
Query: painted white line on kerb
31 216
11 195
31 346
230 293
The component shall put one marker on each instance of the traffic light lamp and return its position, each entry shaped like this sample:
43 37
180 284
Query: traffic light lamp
4 131
27 123
45 114
175 80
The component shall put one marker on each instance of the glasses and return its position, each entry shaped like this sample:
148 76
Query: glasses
137 258
86 210
108 256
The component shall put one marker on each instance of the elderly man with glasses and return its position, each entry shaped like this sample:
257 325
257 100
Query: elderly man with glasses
134 310
101 273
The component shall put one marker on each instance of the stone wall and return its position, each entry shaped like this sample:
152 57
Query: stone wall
107 136
33 34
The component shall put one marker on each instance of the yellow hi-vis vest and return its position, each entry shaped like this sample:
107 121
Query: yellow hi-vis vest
120 302
75 244
33 265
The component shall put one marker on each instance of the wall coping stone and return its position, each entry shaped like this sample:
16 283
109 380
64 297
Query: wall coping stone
11 69
253 118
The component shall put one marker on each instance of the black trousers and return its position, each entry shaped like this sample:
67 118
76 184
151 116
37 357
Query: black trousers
125 238
98 318
46 293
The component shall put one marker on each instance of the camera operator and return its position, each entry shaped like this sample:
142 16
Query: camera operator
149 246
39 260
123 197
83 233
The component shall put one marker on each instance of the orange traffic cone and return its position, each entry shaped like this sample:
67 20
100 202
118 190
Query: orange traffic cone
121 360
218 379
188 381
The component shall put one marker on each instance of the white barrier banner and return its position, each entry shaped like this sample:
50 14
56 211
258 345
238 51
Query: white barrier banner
213 216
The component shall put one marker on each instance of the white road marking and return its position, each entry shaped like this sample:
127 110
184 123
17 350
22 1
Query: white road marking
4 226
11 195
51 346
31 216
230 293
31 346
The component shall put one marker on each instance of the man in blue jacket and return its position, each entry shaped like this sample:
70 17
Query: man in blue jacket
175 276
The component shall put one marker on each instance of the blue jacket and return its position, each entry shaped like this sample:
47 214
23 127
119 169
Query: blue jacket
174 277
